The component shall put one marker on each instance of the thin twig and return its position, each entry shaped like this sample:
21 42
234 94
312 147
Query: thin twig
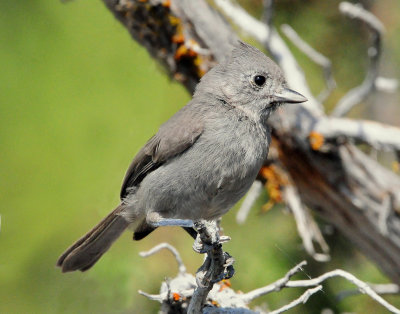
164 295
314 56
302 299
362 286
169 247
358 94
275 286
251 197
386 288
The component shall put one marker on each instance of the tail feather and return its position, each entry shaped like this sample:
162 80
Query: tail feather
85 252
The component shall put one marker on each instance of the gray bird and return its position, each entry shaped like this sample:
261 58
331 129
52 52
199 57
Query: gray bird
201 161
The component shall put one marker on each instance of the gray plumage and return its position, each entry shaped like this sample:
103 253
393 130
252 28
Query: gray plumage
202 160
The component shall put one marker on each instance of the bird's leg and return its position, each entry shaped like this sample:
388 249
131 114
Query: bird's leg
156 220
191 231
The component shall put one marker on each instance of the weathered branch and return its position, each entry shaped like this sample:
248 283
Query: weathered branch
362 286
275 286
177 292
381 289
378 135
302 299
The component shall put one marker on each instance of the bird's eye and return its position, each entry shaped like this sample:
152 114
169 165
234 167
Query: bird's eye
259 80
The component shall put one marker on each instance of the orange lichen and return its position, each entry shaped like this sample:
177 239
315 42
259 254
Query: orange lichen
316 140
275 179
174 20
176 296
225 283
184 51
180 52
166 3
178 38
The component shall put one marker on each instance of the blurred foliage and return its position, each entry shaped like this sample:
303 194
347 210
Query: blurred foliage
78 98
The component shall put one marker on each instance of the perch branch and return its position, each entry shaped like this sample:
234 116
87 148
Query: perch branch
217 265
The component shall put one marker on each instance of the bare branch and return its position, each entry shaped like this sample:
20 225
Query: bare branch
306 226
275 286
386 288
251 197
162 297
154 297
302 299
316 57
380 136
362 286
169 247
358 94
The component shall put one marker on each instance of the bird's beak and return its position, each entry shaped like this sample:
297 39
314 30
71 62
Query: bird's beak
289 96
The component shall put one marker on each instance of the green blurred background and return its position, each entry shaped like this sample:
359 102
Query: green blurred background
78 98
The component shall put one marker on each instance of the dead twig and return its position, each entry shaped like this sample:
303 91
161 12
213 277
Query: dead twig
314 56
358 94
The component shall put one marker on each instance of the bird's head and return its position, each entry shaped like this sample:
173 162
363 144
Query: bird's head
250 80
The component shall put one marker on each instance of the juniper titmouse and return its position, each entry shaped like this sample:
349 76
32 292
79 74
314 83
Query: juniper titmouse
201 161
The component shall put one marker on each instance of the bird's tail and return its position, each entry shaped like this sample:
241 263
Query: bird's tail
85 252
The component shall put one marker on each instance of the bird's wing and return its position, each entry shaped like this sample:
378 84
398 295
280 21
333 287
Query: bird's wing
174 137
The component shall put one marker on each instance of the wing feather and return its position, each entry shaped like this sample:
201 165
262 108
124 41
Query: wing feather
174 137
